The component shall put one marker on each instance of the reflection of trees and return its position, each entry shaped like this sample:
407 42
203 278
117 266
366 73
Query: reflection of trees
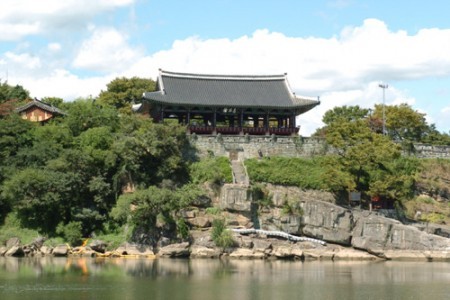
172 268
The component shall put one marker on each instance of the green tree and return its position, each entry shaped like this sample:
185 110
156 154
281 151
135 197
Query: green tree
54 101
39 197
122 92
360 151
149 153
402 122
83 114
341 114
154 209
8 92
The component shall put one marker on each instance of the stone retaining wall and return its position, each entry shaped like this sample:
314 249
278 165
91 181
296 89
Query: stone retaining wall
247 146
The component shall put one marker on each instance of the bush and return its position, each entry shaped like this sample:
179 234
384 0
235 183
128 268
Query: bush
182 228
221 236
304 173
71 232
216 170
213 210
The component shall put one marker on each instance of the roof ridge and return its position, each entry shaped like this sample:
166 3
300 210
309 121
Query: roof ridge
223 76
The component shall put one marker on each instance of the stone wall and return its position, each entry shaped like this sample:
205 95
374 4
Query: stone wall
247 146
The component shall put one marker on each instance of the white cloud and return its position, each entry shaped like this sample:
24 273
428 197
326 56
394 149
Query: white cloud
19 18
54 47
62 85
25 60
107 50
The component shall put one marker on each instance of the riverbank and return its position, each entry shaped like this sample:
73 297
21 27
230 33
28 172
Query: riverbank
247 246
343 233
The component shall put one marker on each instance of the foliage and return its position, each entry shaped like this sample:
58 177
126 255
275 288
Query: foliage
344 114
122 92
84 114
434 178
216 170
8 92
360 154
54 101
38 197
182 228
213 211
402 122
426 209
71 232
144 208
287 171
149 153
260 195
11 228
292 208
220 235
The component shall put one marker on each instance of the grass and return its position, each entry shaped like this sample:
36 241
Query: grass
301 172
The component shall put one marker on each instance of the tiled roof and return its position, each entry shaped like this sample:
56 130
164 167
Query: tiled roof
42 105
266 91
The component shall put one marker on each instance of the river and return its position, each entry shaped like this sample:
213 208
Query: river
90 278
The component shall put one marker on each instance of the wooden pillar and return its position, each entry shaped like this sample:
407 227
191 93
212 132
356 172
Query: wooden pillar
293 121
214 118
241 118
266 120
188 117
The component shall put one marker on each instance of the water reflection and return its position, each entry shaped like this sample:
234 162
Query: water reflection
89 278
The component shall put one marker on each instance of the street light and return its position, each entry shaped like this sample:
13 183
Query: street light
384 87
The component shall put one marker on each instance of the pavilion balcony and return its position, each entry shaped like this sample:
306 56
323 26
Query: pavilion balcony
254 130
228 130
242 130
283 131
201 129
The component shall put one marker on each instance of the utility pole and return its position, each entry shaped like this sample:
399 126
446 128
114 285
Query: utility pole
384 87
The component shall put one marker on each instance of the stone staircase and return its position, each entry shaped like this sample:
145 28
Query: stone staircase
239 173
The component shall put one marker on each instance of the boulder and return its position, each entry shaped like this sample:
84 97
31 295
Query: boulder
242 253
98 246
44 250
377 234
353 254
175 250
61 250
38 242
327 222
199 222
282 252
14 241
3 250
133 249
204 252
262 246
15 251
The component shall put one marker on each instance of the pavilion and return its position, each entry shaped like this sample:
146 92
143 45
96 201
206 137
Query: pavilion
227 104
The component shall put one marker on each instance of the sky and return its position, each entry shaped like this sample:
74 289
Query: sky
338 50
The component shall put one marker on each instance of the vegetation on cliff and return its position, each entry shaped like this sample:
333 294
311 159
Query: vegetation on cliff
101 170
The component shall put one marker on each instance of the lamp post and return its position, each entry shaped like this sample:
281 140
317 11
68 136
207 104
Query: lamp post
384 87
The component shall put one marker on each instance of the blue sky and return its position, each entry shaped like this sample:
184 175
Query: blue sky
339 50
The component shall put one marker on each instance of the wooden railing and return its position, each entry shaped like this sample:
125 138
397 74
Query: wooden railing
242 130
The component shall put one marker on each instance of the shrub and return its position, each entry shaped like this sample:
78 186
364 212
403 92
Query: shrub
182 228
216 170
221 236
213 210
71 232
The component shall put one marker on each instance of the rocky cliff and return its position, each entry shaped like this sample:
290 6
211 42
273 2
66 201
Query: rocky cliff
305 213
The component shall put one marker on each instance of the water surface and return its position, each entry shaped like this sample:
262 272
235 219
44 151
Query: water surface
89 278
